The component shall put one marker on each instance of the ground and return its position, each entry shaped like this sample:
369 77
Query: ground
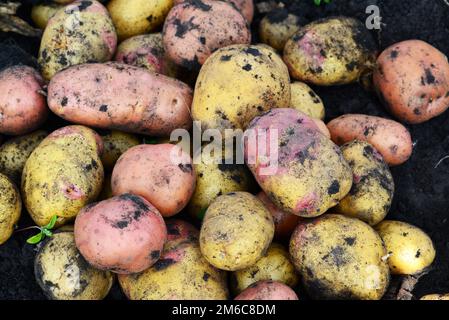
422 183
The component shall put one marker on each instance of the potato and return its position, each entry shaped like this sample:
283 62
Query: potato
245 7
180 274
274 265
267 290
94 95
236 231
63 174
193 30
15 152
22 106
373 187
331 51
124 234
161 173
215 179
339 257
435 297
115 144
106 190
389 137
304 99
308 175
277 27
238 83
146 51
41 13
63 274
409 248
412 80
284 222
81 32
10 208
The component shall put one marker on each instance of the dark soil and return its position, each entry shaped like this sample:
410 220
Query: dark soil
422 187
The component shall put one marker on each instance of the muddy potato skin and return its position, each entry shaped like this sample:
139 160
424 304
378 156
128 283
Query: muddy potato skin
10 208
23 108
63 273
149 171
284 222
193 30
311 175
236 231
410 249
330 51
135 17
15 152
95 95
412 80
41 13
274 265
115 144
82 32
304 99
339 257
215 179
389 137
180 274
63 174
373 186
246 7
238 83
435 296
277 27
123 234
267 290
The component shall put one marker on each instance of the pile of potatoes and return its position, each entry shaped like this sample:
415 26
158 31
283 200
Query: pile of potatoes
122 72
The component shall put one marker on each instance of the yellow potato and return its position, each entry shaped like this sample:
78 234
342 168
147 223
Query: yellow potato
410 249
435 297
115 144
134 17
277 27
274 265
41 13
15 152
237 230
340 258
237 83
63 274
215 179
10 208
63 174
331 51
304 99
373 185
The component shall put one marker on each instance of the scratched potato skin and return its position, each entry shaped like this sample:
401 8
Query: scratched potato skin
63 174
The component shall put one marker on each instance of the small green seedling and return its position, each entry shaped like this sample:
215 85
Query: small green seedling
43 231
149 140
318 2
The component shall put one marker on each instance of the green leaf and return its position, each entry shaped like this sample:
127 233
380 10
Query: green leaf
47 232
317 2
327 1
52 222
150 140
36 238
201 214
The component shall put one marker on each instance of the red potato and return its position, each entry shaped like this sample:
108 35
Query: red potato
284 222
267 290
179 231
122 97
390 138
22 107
412 80
153 172
124 234
193 30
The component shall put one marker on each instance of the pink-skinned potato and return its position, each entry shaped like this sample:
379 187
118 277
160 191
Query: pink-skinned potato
123 234
122 97
161 173
390 138
22 106
300 169
193 30
412 80
180 231
267 290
